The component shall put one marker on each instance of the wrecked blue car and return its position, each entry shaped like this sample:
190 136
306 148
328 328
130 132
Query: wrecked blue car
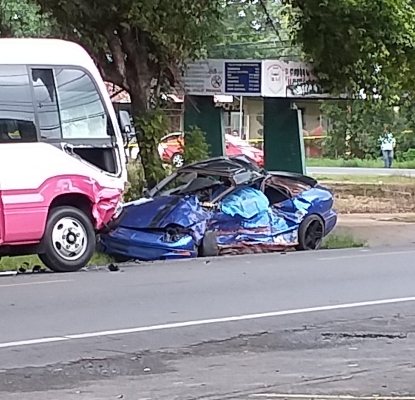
224 205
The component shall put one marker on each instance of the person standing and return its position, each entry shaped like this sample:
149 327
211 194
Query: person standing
387 145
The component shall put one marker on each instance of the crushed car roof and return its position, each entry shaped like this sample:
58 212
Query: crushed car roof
240 169
223 165
237 165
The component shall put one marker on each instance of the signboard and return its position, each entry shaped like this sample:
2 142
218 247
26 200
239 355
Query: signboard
289 79
243 78
267 78
204 78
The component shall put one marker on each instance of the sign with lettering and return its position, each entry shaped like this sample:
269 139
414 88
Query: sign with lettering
267 78
203 78
289 79
243 78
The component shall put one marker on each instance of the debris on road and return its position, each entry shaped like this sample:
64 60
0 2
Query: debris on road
113 267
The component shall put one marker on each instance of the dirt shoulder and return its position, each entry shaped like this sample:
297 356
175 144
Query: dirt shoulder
379 230
379 213
358 197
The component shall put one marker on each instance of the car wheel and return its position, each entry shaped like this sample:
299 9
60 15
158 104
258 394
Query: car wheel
209 246
177 160
69 240
311 233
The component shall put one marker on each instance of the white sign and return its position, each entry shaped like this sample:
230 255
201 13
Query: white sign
204 78
277 78
289 79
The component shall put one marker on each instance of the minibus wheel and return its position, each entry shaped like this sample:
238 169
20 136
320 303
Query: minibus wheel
69 240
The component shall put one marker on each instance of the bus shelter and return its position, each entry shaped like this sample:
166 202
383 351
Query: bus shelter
280 85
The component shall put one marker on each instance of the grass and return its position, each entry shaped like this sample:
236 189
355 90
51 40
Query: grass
342 241
356 163
399 179
14 263
333 241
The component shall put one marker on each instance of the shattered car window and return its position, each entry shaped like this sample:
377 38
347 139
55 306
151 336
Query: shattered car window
294 187
203 186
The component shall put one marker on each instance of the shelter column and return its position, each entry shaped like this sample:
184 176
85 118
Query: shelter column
283 139
200 111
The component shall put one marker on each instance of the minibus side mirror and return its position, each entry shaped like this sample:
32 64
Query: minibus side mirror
125 125
125 122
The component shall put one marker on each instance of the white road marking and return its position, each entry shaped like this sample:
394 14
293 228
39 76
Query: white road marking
176 325
327 397
390 253
35 283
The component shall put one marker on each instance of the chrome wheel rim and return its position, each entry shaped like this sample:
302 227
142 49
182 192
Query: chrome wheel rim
69 239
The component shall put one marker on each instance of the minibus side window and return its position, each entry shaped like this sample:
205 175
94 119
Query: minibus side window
82 112
46 103
17 117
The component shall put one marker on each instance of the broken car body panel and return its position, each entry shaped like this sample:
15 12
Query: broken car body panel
245 206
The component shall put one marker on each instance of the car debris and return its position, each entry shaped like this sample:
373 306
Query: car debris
223 206
113 267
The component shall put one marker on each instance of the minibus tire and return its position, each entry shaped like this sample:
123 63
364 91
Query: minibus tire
72 220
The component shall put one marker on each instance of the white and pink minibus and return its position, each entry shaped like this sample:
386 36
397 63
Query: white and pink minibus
62 159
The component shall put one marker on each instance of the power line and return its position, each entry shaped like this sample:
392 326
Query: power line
256 43
269 19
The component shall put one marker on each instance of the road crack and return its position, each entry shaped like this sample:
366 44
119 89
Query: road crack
363 335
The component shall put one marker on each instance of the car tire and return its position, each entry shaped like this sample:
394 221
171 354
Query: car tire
69 240
311 233
209 245
177 160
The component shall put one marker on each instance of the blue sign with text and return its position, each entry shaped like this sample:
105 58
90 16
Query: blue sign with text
243 78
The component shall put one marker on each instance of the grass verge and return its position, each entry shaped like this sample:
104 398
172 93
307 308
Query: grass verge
333 241
14 263
342 241
356 163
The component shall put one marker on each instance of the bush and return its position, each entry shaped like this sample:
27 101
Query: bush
136 181
195 147
408 155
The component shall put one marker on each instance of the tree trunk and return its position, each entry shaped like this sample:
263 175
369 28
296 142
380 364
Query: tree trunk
149 131
130 50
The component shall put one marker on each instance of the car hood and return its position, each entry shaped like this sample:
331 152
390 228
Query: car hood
159 212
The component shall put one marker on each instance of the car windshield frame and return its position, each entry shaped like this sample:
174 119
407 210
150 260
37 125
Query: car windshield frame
239 170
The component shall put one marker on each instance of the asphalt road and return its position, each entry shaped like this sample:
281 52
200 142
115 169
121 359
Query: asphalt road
327 322
360 171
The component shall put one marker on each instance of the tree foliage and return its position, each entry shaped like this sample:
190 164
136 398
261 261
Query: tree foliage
358 44
151 126
194 147
23 19
249 31
355 126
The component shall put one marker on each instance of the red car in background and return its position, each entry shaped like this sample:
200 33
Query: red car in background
170 149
